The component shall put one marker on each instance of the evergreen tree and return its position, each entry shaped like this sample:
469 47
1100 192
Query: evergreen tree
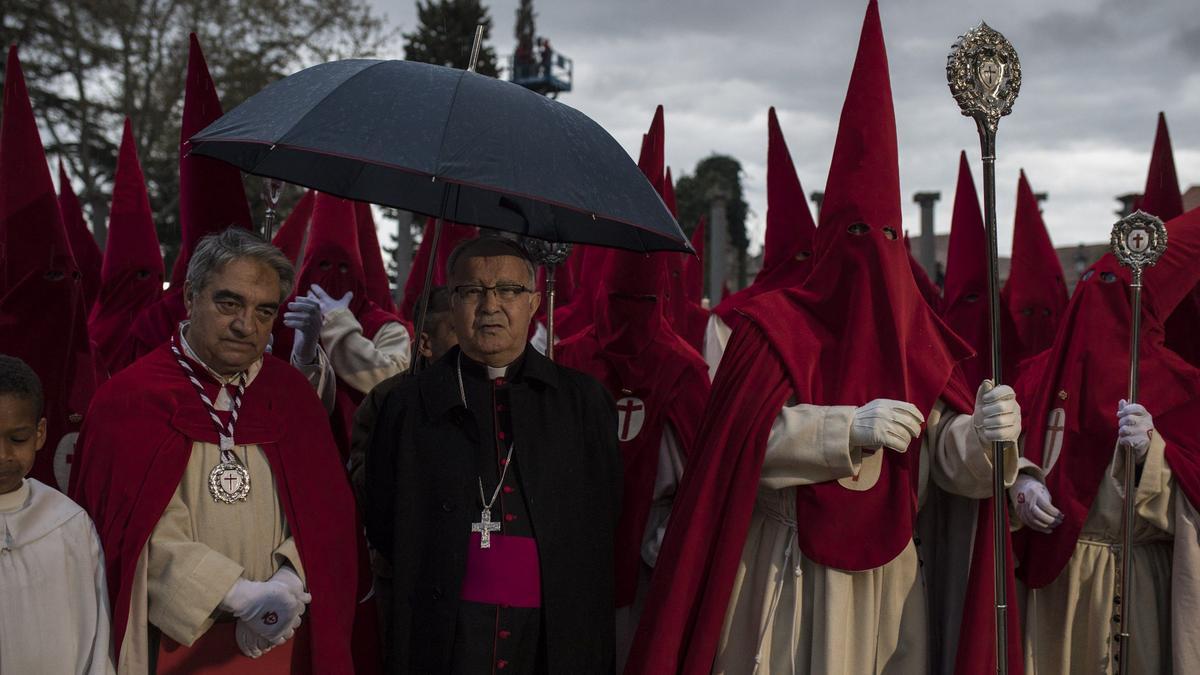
691 193
446 32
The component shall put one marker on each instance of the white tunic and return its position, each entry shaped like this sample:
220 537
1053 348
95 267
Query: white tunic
54 615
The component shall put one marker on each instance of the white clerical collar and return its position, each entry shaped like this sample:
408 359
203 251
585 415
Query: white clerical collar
495 373
15 500
223 379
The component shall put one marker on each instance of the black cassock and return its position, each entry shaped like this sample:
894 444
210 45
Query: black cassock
560 497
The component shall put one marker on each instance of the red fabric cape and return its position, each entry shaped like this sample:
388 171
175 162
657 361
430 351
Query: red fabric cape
1085 374
1182 451
135 447
1035 295
977 636
964 303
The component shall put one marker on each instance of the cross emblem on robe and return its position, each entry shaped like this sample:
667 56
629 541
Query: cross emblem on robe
631 414
485 527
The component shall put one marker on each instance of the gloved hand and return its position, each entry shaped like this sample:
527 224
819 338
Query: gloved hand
885 423
1031 499
270 608
328 303
304 315
252 644
997 416
1135 428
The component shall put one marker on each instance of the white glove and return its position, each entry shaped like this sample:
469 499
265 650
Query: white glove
304 315
270 608
884 423
1031 499
1135 428
997 415
328 303
252 644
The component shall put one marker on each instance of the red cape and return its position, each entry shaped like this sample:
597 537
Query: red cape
135 447
1069 393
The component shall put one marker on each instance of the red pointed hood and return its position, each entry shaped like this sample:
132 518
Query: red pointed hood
332 258
1162 197
453 234
83 244
293 234
965 303
790 226
1035 295
652 160
211 195
788 248
42 316
133 271
379 290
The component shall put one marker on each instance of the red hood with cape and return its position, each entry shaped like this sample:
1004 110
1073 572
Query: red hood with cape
964 303
649 370
787 250
83 244
1035 295
132 275
1069 393
856 330
379 289
43 320
136 445
687 317
211 199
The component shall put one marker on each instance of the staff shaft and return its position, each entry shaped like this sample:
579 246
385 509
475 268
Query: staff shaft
1127 513
550 269
987 142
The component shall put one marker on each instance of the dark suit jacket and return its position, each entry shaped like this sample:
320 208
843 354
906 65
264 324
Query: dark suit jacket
422 496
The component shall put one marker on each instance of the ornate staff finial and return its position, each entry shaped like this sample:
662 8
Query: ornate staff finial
1138 241
984 75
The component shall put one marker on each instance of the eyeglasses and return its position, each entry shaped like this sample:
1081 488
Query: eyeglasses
473 294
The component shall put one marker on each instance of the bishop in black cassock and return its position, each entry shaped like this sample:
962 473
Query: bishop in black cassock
492 485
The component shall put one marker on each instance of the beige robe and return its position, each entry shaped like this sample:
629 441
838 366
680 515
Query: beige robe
716 337
788 614
200 547
1068 626
54 615
358 361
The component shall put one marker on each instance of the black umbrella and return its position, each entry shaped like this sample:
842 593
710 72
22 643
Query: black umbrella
446 143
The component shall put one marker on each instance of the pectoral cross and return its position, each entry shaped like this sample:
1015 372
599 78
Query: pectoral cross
485 527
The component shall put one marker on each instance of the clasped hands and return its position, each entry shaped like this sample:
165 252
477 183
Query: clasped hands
268 612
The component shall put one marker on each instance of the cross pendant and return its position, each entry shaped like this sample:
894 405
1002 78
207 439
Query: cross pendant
485 527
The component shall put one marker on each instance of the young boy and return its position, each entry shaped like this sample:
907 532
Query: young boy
53 595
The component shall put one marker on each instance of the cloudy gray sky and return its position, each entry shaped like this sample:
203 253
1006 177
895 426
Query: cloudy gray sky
1096 73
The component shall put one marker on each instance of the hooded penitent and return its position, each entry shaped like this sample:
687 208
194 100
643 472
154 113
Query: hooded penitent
656 379
964 303
685 313
1069 393
132 275
809 344
83 244
1035 294
293 234
211 199
787 251
43 320
453 234
379 290
693 269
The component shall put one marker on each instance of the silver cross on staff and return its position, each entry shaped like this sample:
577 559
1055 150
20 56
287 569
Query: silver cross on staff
485 527
1138 241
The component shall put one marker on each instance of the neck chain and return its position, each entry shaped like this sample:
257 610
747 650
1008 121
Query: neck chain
229 481
485 527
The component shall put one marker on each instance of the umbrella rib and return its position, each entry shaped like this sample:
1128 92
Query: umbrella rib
437 162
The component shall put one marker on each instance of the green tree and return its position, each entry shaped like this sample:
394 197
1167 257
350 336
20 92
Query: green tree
445 34
90 63
525 60
692 195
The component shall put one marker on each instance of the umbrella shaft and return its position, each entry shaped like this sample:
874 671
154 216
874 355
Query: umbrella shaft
550 269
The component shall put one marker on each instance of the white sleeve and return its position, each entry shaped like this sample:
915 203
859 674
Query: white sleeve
810 444
100 661
962 464
716 337
359 362
666 481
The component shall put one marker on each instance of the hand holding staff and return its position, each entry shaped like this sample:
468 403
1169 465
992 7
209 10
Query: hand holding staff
1138 241
984 74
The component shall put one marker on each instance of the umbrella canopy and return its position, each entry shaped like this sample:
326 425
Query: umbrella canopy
449 143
